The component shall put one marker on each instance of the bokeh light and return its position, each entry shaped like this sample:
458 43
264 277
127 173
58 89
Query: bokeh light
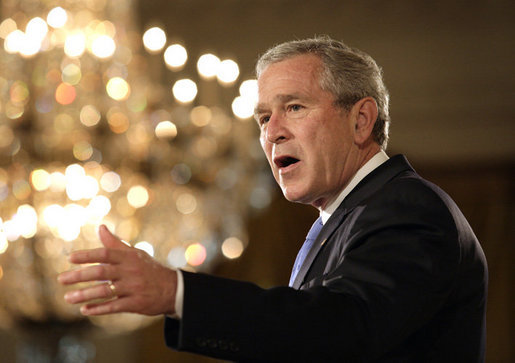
52 215
14 41
176 258
4 244
207 65
249 89
19 92
118 89
40 179
89 115
228 72
118 120
184 90
26 220
74 171
110 181
98 208
71 74
14 111
57 181
138 196
81 187
145 246
29 46
31 40
36 28
103 46
243 107
72 219
175 56
82 150
201 116
75 45
195 254
154 39
57 17
65 94
186 203
166 130
232 248
6 27
10 230
78 184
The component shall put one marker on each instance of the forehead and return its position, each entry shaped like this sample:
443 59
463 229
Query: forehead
297 74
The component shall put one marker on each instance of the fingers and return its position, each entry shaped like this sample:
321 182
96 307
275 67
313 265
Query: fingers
113 304
100 291
106 307
109 240
89 273
98 255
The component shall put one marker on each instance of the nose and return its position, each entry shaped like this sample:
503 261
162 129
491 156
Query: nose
276 129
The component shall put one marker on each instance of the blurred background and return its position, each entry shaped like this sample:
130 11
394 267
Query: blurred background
135 114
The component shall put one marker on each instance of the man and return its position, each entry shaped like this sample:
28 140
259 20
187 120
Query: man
394 275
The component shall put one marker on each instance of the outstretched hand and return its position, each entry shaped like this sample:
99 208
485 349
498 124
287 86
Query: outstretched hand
141 284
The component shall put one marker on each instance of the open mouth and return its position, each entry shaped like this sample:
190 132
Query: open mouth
285 161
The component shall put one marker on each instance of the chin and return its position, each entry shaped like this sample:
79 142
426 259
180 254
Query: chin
288 194
294 196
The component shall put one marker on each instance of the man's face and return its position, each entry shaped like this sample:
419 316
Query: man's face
308 141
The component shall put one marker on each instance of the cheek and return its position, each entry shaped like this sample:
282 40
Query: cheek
267 149
262 141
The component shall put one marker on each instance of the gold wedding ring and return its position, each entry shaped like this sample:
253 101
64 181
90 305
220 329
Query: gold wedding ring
112 288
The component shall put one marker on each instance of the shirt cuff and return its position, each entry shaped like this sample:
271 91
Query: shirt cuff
179 295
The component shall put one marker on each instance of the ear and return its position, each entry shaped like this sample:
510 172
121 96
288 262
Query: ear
365 113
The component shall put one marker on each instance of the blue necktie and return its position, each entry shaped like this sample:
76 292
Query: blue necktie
301 256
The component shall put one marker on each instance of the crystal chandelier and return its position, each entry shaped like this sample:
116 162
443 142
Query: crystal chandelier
90 135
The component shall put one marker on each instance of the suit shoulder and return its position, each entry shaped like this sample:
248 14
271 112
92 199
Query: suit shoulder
414 192
411 199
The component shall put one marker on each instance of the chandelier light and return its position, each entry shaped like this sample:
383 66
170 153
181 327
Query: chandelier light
89 136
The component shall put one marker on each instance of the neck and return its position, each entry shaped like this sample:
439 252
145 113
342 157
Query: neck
363 156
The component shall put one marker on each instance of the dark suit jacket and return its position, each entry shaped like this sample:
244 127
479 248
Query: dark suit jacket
396 275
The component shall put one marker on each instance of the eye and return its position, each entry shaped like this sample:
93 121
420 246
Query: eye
294 108
263 119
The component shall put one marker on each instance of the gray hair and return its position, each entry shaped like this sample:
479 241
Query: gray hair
348 73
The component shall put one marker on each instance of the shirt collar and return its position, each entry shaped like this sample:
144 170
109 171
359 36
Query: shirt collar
362 172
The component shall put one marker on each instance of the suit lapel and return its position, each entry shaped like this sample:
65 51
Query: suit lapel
365 188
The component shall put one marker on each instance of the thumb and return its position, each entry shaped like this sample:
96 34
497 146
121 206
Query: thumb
109 240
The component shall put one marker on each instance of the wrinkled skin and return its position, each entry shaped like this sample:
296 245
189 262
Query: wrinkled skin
142 284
